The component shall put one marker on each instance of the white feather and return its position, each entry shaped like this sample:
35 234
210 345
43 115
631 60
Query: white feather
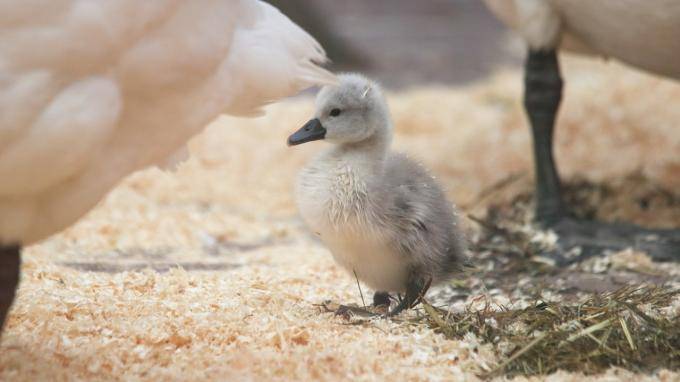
642 33
91 91
540 23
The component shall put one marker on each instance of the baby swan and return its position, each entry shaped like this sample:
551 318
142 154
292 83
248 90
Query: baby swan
383 216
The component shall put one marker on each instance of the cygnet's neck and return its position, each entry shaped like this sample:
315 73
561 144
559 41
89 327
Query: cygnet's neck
369 154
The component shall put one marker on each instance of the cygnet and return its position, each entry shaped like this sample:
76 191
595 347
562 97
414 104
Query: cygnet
383 216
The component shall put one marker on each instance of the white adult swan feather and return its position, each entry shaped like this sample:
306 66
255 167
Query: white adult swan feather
91 91
641 33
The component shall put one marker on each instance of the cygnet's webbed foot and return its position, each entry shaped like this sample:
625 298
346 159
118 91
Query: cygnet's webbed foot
416 288
348 311
381 299
381 304
580 239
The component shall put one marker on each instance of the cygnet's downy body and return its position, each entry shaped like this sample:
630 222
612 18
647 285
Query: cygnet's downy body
383 216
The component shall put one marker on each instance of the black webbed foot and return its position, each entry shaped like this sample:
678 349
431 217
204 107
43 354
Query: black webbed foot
381 299
348 311
580 239
416 288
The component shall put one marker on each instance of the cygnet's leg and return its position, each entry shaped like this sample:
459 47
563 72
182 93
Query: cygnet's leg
542 95
381 299
416 287
10 262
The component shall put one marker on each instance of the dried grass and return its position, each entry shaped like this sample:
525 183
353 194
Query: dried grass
604 330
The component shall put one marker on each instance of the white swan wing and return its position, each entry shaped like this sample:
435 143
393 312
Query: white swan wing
91 91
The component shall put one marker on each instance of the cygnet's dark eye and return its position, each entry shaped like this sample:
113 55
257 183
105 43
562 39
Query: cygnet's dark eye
335 112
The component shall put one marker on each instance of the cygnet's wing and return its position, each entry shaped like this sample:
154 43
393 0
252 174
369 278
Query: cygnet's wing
421 219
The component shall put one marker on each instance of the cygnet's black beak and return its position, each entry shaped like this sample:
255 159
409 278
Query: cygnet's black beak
311 131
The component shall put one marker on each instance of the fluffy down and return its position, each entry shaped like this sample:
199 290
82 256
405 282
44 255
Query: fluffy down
382 215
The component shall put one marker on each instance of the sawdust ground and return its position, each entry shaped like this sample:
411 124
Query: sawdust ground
104 300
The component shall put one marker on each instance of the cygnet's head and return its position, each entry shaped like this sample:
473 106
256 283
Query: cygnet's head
352 111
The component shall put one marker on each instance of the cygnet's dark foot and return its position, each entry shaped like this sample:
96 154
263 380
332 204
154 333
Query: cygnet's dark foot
580 239
416 288
381 302
347 311
381 299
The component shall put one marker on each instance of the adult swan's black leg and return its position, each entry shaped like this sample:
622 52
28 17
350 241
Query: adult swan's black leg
10 261
542 95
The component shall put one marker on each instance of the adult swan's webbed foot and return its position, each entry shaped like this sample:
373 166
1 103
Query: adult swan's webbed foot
580 239
577 239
